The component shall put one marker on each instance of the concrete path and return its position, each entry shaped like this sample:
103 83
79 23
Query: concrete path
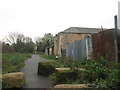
32 79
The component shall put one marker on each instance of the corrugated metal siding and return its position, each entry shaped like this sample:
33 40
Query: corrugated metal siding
79 49
103 44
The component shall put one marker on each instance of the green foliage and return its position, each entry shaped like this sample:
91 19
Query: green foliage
13 62
44 43
53 77
63 77
18 43
24 47
105 73
99 74
7 48
44 68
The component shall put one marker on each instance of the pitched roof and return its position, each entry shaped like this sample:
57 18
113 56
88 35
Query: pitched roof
82 30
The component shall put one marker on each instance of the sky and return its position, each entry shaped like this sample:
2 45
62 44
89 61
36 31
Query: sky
34 18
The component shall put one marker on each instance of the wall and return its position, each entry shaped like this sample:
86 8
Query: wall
62 40
119 46
80 49
104 44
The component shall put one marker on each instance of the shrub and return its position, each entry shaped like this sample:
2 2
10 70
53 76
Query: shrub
64 77
98 74
45 68
13 80
105 73
85 76
53 77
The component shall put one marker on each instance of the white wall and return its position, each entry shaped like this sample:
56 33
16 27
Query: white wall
119 15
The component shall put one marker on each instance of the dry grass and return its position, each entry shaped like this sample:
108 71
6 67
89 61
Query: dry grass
81 69
71 86
62 69
13 80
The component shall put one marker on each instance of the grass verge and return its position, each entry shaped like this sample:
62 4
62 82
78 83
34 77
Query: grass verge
13 62
49 57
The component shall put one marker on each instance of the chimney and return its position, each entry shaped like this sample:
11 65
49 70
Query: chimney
115 20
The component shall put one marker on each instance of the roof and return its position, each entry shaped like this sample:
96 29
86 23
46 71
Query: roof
82 30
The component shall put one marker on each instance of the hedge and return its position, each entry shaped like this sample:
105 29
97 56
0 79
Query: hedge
45 68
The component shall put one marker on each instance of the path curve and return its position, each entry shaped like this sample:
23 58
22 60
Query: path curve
32 79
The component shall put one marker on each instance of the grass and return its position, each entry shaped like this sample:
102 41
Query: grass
13 62
49 57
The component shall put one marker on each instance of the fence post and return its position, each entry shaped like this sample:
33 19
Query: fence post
86 42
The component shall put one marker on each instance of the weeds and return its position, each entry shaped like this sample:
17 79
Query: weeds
13 62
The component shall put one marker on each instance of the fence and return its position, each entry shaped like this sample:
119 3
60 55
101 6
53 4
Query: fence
104 44
80 49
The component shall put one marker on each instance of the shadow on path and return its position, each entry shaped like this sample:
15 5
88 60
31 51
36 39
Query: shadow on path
32 79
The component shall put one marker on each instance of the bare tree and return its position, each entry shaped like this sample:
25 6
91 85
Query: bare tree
13 37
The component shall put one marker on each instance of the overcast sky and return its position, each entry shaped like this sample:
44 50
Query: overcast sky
34 18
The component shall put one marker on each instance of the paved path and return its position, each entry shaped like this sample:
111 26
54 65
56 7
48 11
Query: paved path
32 79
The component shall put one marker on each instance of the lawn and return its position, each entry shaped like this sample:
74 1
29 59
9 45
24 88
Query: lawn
13 62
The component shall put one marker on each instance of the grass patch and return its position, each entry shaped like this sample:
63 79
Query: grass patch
49 57
13 62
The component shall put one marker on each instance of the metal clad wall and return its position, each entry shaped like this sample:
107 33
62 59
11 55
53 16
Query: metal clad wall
119 45
84 55
104 44
78 50
100 44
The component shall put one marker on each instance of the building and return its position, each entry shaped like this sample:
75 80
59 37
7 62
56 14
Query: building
72 34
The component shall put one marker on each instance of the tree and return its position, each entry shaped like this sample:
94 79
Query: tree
21 43
14 36
6 47
45 43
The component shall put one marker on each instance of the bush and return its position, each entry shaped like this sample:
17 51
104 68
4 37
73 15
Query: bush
105 74
45 68
98 74
64 77
85 76
13 80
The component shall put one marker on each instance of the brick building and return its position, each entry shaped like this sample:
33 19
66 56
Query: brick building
72 34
